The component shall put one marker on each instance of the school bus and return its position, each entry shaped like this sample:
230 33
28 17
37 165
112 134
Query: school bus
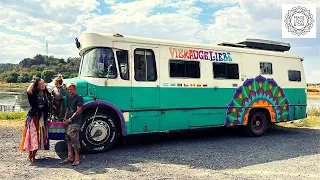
133 85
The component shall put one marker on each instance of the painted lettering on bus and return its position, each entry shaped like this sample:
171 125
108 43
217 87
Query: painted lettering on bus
193 54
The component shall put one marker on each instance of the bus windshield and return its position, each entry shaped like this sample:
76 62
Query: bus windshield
99 63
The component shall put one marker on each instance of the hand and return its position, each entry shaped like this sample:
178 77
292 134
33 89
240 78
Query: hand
66 121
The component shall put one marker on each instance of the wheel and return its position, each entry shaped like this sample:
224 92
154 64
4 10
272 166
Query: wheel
257 123
99 133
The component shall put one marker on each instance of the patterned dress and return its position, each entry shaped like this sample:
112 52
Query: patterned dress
35 134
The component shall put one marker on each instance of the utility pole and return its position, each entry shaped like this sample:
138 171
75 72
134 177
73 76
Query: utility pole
47 48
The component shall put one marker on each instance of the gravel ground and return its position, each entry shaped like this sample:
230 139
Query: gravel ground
218 153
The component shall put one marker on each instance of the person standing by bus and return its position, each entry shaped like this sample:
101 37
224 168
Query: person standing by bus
35 134
72 122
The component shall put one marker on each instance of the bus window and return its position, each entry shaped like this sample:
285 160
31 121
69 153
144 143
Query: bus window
99 63
265 68
294 75
123 64
179 68
225 71
144 65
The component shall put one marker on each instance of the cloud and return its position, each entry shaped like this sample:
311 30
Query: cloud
16 47
315 73
46 19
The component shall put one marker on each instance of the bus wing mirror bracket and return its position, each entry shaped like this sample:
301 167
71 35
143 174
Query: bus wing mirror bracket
77 43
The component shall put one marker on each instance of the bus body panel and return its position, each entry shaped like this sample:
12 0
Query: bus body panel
183 103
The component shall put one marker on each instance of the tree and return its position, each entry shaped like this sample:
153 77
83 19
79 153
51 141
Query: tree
10 77
24 77
45 67
48 75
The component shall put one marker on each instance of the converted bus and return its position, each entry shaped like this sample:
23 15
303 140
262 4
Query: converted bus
134 85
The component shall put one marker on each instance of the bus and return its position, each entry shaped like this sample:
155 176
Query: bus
134 85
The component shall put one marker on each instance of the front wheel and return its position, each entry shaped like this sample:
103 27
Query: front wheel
257 123
99 133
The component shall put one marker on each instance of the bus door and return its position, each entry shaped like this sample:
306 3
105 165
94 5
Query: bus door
145 83
145 89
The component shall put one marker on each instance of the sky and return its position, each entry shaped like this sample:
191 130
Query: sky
26 25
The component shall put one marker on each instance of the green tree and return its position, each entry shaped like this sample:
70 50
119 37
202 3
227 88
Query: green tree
35 73
24 77
45 67
10 77
48 75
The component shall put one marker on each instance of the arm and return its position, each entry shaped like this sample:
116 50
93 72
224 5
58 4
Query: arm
79 109
30 88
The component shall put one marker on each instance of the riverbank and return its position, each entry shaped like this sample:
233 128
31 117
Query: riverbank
313 95
13 87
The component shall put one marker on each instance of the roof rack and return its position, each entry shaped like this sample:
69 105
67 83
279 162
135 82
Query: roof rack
260 44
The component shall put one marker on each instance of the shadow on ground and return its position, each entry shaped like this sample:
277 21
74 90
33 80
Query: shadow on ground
215 148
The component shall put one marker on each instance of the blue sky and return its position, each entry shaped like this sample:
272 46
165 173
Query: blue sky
26 26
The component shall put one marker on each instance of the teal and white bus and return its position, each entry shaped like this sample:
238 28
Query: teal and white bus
133 85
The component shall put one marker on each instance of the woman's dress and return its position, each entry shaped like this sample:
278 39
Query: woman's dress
35 134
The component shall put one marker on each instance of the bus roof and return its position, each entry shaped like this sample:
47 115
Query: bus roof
90 39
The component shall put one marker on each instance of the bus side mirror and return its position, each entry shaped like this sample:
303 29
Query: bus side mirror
77 43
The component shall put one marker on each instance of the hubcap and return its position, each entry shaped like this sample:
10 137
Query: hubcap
258 123
98 132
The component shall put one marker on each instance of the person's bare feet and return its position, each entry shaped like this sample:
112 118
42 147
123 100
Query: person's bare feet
66 161
76 163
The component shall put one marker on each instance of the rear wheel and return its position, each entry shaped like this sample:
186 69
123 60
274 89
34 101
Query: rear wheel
99 133
257 123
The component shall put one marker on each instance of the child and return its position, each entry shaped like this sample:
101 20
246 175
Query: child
58 92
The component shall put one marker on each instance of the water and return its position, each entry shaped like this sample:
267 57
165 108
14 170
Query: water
313 102
16 99
20 100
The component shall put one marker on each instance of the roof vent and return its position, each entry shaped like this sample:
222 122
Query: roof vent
260 44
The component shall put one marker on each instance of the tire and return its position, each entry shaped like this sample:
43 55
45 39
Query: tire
257 123
105 128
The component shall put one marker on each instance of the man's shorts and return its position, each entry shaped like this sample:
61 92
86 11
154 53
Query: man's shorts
72 135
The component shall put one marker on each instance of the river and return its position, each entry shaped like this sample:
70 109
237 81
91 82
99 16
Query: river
20 101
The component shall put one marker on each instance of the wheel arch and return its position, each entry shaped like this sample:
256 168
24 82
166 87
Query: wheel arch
264 110
109 107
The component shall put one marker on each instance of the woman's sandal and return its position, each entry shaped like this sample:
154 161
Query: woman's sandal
76 163
30 157
66 161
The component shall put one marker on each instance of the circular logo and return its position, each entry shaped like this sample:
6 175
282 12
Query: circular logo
299 20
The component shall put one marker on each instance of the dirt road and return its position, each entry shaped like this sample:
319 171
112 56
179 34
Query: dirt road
211 154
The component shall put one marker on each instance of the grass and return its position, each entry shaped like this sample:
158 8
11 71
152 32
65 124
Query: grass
13 115
313 119
313 92
13 87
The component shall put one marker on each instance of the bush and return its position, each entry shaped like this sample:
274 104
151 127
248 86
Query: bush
314 111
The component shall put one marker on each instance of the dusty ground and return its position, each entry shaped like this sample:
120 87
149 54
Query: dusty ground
217 153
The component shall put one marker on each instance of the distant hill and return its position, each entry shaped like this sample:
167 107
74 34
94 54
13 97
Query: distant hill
7 67
43 66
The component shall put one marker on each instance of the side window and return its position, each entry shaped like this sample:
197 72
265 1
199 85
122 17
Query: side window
225 71
265 68
294 75
123 64
189 69
144 65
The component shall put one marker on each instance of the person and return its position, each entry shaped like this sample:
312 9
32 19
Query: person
35 134
58 93
72 122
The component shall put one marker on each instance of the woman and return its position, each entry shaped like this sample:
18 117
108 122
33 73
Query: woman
35 135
